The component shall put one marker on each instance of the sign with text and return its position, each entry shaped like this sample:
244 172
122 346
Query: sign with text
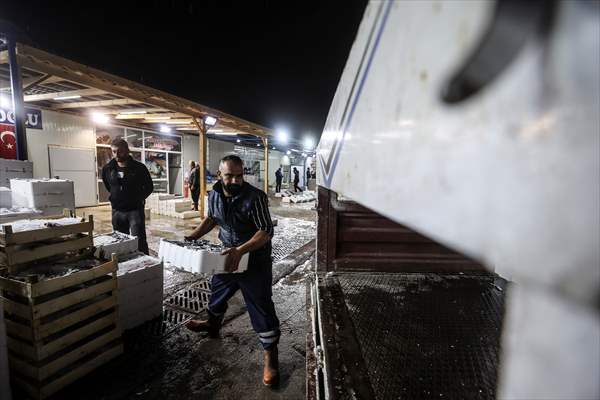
33 120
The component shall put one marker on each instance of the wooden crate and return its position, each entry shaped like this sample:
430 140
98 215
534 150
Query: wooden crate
20 249
60 329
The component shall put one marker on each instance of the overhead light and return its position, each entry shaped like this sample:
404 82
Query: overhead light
226 133
214 130
189 128
239 141
273 147
288 152
283 136
75 96
99 118
309 143
303 154
178 122
5 101
165 129
127 112
210 121
156 118
257 144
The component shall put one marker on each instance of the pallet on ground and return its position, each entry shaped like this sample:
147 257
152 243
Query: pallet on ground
21 248
61 328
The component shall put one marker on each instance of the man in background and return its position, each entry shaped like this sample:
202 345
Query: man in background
129 184
194 183
278 179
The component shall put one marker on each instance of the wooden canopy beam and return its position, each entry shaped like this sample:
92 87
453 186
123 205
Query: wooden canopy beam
96 103
150 115
51 96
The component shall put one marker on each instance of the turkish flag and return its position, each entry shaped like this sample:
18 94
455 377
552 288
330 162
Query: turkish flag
8 142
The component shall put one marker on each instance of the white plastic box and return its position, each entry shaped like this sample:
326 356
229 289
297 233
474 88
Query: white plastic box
115 242
50 196
5 197
196 260
11 169
140 280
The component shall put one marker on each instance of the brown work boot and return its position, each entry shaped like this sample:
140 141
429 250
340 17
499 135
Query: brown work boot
271 368
206 325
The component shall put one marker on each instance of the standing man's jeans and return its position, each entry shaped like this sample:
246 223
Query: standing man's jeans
278 186
195 196
132 223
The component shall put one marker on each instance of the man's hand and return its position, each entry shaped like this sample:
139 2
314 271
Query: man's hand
233 259
189 238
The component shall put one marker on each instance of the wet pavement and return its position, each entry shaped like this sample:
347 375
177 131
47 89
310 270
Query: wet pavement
163 360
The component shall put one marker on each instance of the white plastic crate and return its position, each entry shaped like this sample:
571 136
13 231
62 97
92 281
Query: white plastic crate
140 280
198 258
50 196
5 197
11 169
115 242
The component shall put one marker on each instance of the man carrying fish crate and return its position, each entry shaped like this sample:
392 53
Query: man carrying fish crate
129 184
242 214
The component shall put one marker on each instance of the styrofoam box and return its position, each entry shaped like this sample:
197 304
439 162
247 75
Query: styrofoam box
197 261
4 377
127 246
11 169
5 197
48 195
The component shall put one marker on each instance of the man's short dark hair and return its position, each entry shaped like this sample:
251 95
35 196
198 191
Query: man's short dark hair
120 142
234 159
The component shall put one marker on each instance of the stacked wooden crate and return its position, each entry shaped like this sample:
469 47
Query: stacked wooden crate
60 327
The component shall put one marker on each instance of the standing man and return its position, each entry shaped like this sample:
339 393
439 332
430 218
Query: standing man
296 180
278 179
194 183
308 175
129 184
242 214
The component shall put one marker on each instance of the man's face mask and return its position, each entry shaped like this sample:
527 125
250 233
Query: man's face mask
233 188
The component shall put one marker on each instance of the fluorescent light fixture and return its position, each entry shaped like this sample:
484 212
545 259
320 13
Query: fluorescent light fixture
309 143
99 118
226 133
210 121
75 96
125 112
239 141
283 136
165 129
5 101
156 118
257 144
214 130
288 152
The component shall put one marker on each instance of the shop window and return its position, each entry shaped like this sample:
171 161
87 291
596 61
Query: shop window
156 141
135 138
106 134
156 162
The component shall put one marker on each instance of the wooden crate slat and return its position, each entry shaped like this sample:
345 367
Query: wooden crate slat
14 257
49 307
52 285
80 371
22 310
78 334
31 389
74 317
18 330
40 373
80 352
22 348
45 233
14 286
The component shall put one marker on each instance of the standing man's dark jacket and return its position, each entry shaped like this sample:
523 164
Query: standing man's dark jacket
130 192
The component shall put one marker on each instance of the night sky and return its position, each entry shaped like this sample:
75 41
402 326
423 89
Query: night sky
273 62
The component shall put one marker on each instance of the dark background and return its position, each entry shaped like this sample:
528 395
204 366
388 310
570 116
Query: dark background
273 62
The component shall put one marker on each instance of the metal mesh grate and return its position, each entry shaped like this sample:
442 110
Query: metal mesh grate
426 336
285 246
192 299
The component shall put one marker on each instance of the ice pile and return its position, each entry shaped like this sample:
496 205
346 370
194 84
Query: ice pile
140 281
287 196
106 244
33 224
199 256
16 213
50 196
